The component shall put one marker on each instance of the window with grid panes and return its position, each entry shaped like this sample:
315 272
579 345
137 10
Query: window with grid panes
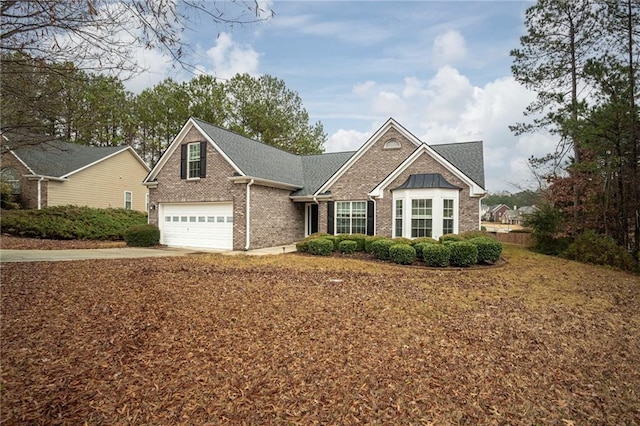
351 217
421 218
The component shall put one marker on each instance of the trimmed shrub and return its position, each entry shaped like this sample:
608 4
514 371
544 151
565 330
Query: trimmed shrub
419 242
463 253
358 238
402 254
320 246
450 237
368 241
402 240
435 255
71 223
489 249
146 235
380 248
334 239
302 245
347 246
590 247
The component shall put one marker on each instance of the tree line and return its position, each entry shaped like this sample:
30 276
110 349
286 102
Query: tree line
581 57
63 101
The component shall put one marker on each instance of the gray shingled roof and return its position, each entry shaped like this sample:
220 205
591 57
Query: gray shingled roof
319 168
310 172
255 158
466 156
57 158
427 180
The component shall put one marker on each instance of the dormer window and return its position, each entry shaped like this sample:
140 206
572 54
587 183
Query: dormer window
392 144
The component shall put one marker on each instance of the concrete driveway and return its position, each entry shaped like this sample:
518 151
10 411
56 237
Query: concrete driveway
83 254
123 253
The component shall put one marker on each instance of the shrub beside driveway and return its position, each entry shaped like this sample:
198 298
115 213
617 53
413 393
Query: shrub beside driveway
293 339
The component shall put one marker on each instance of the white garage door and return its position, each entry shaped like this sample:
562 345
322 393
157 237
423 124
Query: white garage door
205 225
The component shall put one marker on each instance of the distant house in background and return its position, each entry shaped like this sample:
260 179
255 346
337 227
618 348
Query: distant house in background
517 216
53 173
495 213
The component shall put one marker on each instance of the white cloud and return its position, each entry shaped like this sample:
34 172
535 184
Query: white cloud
346 140
228 58
447 108
449 48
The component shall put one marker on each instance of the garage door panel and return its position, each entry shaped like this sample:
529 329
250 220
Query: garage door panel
206 225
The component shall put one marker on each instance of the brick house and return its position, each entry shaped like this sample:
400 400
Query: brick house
45 173
216 189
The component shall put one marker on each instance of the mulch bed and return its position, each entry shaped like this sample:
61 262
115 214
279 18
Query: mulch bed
303 340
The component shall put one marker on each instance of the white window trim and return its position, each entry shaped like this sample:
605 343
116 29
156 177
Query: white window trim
189 177
437 195
335 216
130 200
395 216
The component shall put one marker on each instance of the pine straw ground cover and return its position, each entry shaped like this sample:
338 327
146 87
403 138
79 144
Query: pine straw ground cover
292 339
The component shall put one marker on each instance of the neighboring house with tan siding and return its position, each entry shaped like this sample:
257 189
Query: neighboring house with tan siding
213 188
54 173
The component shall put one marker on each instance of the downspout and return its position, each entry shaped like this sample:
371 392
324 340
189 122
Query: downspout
40 193
375 215
248 217
480 210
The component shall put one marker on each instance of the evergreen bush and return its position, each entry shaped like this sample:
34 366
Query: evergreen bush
590 247
380 248
348 246
489 249
320 246
402 254
368 242
450 238
358 238
71 222
146 235
435 255
463 253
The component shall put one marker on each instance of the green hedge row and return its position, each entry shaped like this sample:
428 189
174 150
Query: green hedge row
463 250
71 223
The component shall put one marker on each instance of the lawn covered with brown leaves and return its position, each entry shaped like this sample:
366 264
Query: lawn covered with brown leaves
295 339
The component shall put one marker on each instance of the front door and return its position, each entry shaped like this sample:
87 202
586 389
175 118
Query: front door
311 219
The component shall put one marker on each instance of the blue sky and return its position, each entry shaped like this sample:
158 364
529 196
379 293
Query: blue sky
440 68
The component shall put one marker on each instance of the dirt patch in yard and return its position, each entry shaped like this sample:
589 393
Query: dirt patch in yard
291 339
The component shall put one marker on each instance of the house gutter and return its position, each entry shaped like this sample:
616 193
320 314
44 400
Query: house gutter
248 216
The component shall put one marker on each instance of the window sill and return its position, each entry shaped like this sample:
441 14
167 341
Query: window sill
194 179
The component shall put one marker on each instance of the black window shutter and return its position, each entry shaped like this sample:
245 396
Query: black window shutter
203 159
371 214
314 218
183 161
330 217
